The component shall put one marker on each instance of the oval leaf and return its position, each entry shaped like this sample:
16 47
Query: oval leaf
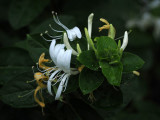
90 80
113 73
22 12
131 62
89 59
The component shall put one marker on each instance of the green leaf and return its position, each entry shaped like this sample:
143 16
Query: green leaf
18 87
129 87
36 46
90 80
113 73
19 94
131 62
108 97
14 61
14 56
105 42
21 13
9 72
89 59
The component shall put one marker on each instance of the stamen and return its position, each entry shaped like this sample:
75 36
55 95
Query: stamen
44 37
26 94
38 67
59 79
30 81
54 29
55 37
33 69
56 19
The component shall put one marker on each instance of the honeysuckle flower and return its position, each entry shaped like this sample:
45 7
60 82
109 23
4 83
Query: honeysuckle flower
41 77
125 41
62 60
72 33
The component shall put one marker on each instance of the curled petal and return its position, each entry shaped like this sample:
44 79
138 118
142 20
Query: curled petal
50 81
36 99
77 32
56 51
40 77
64 60
61 85
43 60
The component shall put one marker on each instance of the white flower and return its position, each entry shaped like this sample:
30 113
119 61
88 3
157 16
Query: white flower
125 41
72 33
62 60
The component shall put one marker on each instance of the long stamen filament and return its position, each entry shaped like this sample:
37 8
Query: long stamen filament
56 19
55 37
30 81
44 37
54 29
26 94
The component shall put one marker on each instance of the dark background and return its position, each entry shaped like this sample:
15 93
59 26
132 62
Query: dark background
146 103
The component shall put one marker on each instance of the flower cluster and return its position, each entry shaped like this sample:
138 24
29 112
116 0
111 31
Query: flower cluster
60 54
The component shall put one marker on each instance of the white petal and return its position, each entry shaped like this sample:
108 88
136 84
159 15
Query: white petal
67 61
69 33
60 88
125 40
90 19
50 80
64 60
77 31
60 59
56 51
51 48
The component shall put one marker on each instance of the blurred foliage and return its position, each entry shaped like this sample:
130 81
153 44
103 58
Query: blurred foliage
22 22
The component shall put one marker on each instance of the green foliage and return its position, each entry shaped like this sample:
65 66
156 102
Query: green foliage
108 97
131 62
106 63
36 46
89 59
11 66
21 13
89 80
20 93
113 73
18 87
